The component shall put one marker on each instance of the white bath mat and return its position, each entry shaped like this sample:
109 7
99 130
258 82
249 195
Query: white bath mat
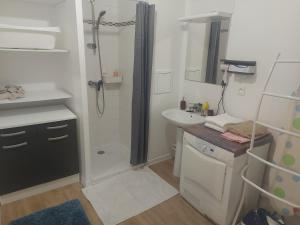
128 194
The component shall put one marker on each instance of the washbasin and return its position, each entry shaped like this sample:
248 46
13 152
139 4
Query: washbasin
182 118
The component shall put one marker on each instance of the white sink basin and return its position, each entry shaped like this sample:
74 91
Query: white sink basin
182 118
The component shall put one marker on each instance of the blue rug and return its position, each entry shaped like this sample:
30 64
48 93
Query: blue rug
69 213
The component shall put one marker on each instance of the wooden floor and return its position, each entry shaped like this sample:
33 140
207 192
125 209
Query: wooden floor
175 211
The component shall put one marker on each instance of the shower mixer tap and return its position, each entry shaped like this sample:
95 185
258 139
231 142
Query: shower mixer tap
96 84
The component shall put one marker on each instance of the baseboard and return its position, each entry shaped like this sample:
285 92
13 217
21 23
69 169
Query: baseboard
39 189
159 159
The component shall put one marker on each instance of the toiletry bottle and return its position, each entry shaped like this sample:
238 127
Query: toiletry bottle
205 108
115 73
183 104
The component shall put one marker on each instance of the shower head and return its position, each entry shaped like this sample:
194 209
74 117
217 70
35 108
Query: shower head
101 14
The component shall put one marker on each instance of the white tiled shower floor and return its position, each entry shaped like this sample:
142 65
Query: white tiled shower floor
116 159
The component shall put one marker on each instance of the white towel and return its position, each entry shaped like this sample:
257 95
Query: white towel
215 127
218 122
11 92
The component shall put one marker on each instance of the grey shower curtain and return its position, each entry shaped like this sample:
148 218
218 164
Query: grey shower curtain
213 53
143 56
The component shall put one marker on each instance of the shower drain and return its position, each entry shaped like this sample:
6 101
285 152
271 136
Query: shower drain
101 152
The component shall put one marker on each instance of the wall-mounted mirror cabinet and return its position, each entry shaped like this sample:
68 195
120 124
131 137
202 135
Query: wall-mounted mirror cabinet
206 46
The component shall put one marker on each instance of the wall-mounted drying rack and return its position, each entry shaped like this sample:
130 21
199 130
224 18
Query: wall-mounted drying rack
249 151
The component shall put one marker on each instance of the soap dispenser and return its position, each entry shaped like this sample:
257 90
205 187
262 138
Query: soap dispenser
183 104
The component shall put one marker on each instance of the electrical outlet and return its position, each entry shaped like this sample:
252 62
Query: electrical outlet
242 91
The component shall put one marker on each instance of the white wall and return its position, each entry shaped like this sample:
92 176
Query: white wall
73 78
126 61
259 30
199 6
259 38
16 68
105 130
166 57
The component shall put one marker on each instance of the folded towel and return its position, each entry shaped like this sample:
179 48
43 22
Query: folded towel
2 88
222 120
244 129
236 138
4 96
214 127
11 92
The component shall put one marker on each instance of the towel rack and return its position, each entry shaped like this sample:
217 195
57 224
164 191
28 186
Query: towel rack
254 156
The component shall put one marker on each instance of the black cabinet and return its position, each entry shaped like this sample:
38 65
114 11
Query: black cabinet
37 154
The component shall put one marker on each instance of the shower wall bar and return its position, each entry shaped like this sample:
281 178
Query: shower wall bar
112 24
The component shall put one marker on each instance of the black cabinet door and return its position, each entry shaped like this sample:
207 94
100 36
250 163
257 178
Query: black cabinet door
37 154
18 159
58 150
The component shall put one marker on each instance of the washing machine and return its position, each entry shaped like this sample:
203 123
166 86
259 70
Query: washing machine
211 178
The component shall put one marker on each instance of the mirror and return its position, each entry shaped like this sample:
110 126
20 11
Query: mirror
207 45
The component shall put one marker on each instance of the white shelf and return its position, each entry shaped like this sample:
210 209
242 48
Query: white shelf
34 50
47 2
206 17
38 96
32 116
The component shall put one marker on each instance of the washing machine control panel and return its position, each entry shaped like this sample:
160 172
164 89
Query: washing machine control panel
206 149
209 149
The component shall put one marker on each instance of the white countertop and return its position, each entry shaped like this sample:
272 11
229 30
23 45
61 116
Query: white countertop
35 115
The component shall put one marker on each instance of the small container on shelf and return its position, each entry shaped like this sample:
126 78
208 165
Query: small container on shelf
115 78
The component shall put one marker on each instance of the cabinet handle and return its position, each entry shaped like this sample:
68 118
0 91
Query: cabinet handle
14 146
13 134
58 138
57 127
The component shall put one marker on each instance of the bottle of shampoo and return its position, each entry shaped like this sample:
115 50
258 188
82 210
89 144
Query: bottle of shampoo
183 104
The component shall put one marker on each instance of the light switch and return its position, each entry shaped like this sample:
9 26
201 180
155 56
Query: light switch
242 91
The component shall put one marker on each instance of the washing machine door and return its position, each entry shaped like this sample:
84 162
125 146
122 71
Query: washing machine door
203 170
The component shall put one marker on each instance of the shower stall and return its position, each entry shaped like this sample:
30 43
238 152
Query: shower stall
109 68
